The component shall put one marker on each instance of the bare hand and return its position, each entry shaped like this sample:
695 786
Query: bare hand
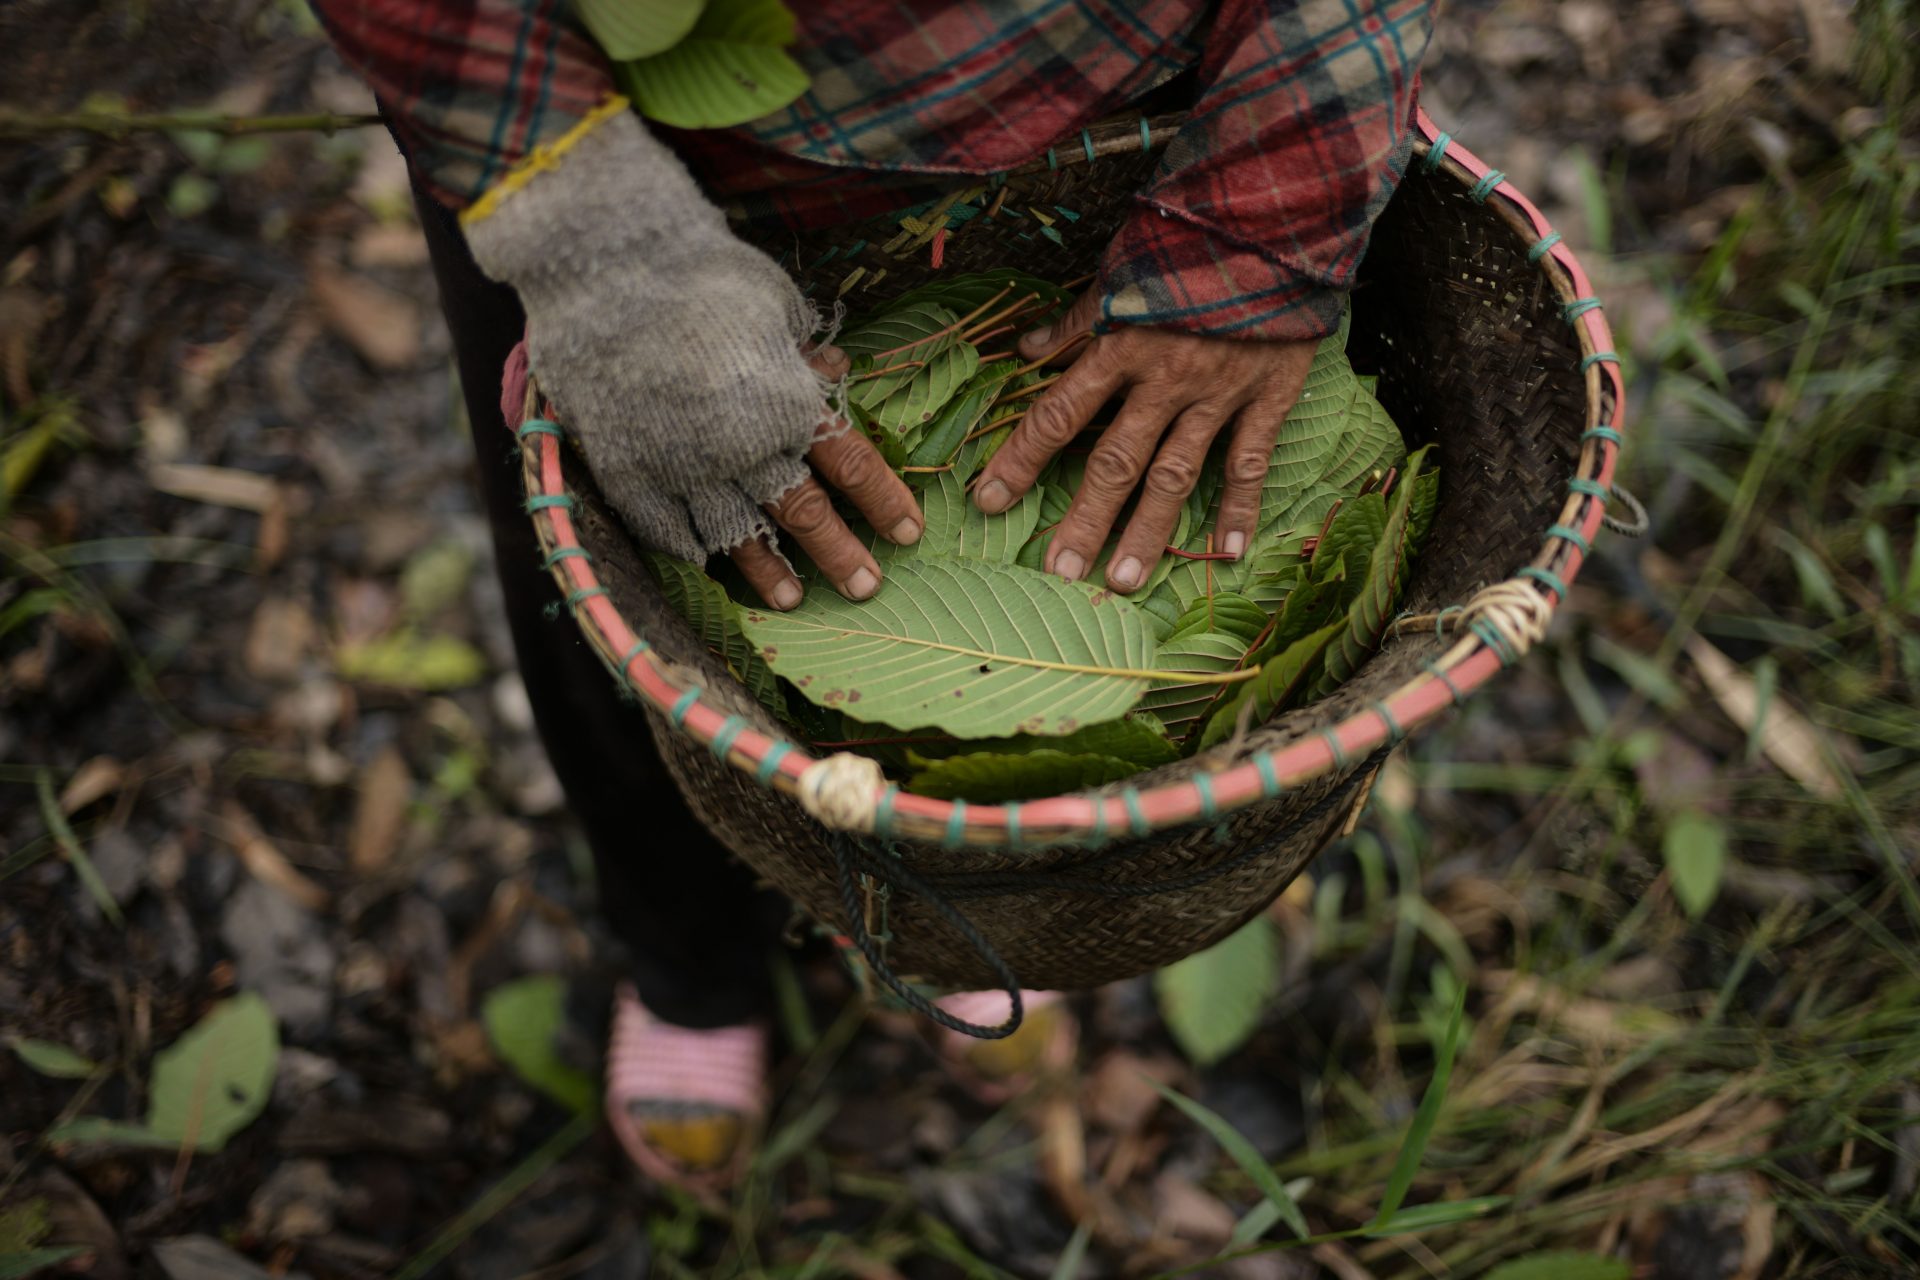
1181 391
848 461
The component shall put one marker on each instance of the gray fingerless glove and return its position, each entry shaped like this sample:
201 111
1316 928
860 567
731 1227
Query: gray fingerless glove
670 348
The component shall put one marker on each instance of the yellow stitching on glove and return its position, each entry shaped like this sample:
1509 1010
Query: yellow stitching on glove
541 158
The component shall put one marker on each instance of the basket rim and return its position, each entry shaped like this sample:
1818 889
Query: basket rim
843 791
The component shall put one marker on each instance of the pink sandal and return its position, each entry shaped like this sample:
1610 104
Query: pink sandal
691 1090
994 1071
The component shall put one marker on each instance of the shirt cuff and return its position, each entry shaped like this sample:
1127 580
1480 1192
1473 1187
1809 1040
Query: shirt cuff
1164 272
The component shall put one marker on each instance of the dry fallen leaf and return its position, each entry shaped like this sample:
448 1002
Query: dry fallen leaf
383 326
278 639
1788 738
217 486
264 861
97 778
380 813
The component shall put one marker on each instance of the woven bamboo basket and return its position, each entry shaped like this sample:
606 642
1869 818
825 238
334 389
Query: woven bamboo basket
1488 343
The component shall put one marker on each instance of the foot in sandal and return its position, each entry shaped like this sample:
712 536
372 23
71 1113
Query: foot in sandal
996 1070
685 1103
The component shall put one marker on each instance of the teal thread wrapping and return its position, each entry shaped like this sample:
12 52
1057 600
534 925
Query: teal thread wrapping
1608 434
1433 668
1013 823
1395 734
1484 188
1099 836
1440 619
542 502
1086 144
639 647
580 595
1494 641
1340 760
1146 135
883 812
1053 161
1568 534
1546 578
1436 153
683 705
723 740
1599 357
537 427
1209 807
1592 488
1579 307
770 762
558 554
1136 818
1543 246
1269 775
956 826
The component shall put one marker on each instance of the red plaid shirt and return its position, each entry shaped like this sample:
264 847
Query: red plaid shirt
1252 226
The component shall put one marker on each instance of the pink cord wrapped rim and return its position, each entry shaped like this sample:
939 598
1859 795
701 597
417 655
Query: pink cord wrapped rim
848 792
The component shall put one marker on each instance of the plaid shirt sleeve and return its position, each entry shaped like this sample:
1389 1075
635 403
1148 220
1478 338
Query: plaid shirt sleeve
470 87
1261 208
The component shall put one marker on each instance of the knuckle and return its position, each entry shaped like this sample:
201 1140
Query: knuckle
858 467
1172 476
1246 467
1049 421
807 510
1110 468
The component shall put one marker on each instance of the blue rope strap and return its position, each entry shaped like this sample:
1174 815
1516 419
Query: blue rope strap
1599 357
1543 246
1136 819
1440 619
684 705
558 554
883 812
1433 668
1608 434
543 501
1436 153
1099 836
1013 823
639 647
1579 307
1484 188
723 741
1395 734
1566 533
956 826
1592 488
1546 578
537 427
770 762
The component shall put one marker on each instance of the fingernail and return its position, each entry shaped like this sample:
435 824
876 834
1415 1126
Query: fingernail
1039 337
1126 573
993 497
1236 543
786 595
906 532
862 584
1070 565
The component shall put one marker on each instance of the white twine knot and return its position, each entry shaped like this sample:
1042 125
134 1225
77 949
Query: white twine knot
1515 613
841 790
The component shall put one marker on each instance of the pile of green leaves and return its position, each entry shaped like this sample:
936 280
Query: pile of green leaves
699 64
972 674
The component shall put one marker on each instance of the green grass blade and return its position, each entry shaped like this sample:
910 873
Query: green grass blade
1242 1153
1408 1163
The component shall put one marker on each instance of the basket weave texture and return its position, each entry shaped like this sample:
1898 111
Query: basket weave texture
1463 316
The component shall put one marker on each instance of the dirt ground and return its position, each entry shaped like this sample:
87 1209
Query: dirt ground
253 670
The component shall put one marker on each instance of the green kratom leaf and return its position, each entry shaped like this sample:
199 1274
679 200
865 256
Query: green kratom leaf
626 29
1179 703
55 1060
966 294
214 1081
1281 682
940 444
732 67
1229 614
1695 850
1372 609
716 620
891 350
989 777
975 648
1335 435
956 528
522 1019
1212 1000
1355 531
1137 739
